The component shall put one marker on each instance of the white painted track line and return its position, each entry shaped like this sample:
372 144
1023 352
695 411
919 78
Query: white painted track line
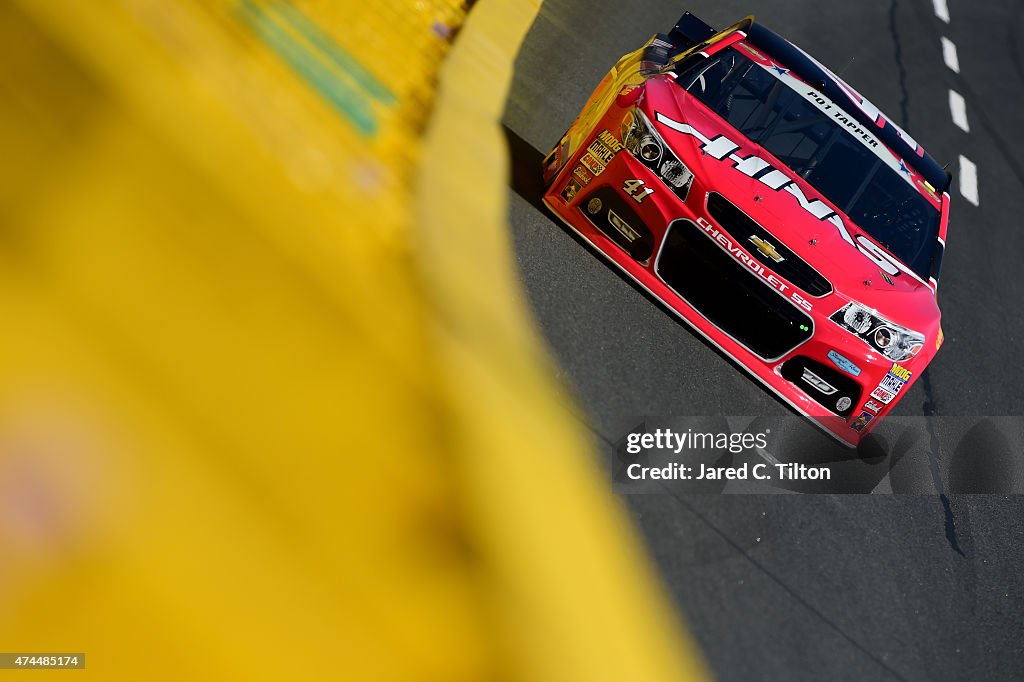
941 10
968 180
958 109
949 55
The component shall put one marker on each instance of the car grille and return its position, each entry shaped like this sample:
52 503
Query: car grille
729 295
742 229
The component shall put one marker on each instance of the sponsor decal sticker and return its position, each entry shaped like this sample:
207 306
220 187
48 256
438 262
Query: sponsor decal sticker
592 163
938 341
572 188
605 147
873 406
610 141
582 175
896 378
900 372
843 364
843 403
892 383
600 152
882 395
862 421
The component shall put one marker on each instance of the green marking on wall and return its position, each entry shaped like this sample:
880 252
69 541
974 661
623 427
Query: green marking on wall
316 36
337 76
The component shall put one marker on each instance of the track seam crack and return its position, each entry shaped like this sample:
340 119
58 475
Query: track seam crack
898 55
930 407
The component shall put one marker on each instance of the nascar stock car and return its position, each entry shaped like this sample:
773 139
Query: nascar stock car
769 205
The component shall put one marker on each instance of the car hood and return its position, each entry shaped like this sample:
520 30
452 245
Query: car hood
903 299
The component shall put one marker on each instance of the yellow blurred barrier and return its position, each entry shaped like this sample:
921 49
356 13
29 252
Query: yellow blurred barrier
249 427
571 593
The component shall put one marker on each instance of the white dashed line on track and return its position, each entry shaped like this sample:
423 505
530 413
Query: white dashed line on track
968 180
968 175
958 109
949 55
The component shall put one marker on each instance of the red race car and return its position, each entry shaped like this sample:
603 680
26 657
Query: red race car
769 205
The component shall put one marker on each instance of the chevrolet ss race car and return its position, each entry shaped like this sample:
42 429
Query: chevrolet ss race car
769 205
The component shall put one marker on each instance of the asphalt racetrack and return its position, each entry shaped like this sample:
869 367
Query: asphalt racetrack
924 586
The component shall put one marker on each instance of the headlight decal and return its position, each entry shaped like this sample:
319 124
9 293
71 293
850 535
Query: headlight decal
644 142
891 340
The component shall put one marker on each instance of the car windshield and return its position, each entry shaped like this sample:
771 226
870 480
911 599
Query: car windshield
762 106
